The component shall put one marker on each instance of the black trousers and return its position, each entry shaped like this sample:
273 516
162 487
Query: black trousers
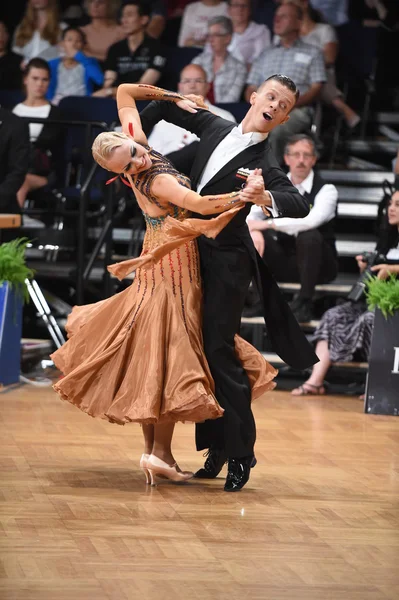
226 272
306 258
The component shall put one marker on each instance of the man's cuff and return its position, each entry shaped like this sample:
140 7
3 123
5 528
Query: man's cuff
273 210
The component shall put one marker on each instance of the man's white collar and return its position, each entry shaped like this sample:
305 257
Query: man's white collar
306 184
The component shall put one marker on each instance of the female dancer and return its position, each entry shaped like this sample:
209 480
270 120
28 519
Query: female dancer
138 356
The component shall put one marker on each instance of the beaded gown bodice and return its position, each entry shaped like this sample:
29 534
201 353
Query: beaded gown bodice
143 183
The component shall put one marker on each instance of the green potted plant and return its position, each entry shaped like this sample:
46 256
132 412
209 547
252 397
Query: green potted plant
13 294
382 388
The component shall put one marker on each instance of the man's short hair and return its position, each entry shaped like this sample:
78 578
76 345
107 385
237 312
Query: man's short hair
143 7
300 137
299 9
285 81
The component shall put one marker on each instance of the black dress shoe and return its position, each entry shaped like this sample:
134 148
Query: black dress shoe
216 458
238 473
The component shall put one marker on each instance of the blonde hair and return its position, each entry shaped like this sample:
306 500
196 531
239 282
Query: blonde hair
112 10
104 145
51 32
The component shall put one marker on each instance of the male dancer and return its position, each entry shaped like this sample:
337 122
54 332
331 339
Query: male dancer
229 262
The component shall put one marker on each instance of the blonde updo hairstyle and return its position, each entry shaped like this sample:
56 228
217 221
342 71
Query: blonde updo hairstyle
104 145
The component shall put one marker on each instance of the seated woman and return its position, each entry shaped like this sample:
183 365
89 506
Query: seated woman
102 30
39 32
345 331
138 356
226 74
44 138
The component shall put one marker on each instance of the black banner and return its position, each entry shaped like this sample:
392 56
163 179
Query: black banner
382 389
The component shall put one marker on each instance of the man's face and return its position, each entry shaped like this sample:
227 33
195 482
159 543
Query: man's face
193 81
271 105
37 82
286 20
393 210
131 21
240 11
218 40
98 9
300 159
3 37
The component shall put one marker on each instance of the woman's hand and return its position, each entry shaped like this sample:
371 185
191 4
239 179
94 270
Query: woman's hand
361 263
199 100
187 105
383 271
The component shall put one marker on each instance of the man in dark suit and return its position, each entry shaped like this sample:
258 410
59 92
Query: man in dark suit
229 262
14 162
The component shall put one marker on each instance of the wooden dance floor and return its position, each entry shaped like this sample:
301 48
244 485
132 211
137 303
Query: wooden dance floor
319 519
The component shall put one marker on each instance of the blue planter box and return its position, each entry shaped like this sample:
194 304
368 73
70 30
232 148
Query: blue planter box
10 335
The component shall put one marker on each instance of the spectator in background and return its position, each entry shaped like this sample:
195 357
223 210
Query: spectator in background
156 26
167 137
44 138
334 12
300 250
323 36
103 30
14 162
10 63
39 31
225 73
195 22
303 63
249 38
75 73
136 59
344 333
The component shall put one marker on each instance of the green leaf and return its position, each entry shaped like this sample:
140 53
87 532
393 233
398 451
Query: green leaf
383 294
13 269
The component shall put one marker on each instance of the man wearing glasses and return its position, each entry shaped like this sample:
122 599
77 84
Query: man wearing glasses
300 250
167 137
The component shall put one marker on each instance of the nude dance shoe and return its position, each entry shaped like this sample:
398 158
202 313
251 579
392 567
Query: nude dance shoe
143 465
158 468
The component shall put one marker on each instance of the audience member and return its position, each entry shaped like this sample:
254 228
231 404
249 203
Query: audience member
74 74
136 59
44 138
323 36
335 12
156 25
14 162
167 137
249 38
103 30
10 63
195 21
344 333
225 73
300 250
39 31
303 63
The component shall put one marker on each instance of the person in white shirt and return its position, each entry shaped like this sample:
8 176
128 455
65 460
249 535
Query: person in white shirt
249 38
196 17
226 74
300 250
167 137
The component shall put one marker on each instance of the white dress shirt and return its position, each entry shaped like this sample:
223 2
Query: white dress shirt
167 137
235 142
323 210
